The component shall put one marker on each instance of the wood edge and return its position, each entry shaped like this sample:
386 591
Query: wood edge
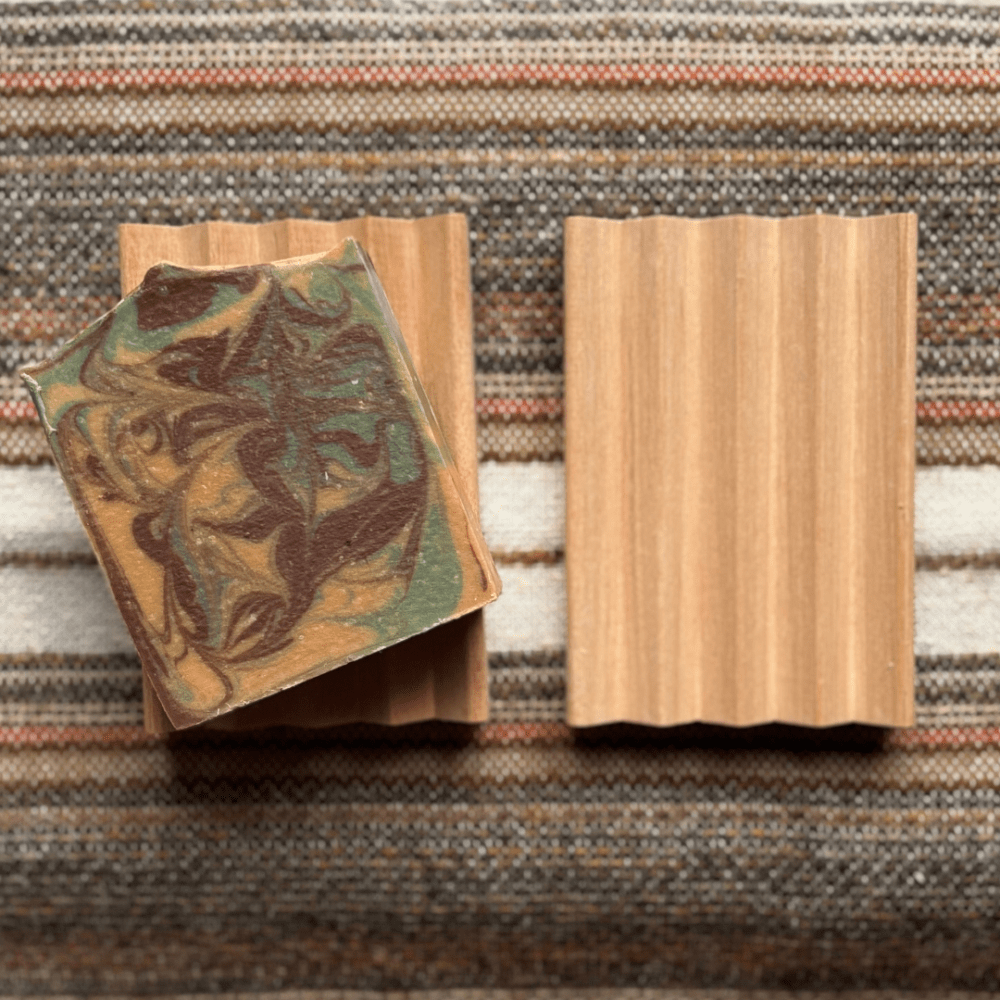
132 272
471 709
154 718
455 237
905 714
823 218
451 232
478 691
575 231
454 229
172 243
582 237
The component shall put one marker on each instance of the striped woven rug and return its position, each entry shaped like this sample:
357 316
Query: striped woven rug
516 859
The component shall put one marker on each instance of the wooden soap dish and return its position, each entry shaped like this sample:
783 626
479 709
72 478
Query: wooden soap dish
740 423
424 267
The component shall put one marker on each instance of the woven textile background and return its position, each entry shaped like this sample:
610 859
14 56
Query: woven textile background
516 854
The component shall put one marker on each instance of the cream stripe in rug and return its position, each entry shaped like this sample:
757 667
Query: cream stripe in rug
957 509
522 506
70 610
957 612
513 51
522 509
36 515
530 615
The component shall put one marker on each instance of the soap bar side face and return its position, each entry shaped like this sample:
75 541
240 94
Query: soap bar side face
250 457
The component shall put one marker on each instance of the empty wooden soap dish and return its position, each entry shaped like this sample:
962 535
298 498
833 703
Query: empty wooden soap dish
740 423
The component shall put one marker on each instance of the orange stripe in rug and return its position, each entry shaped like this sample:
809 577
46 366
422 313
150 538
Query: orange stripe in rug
958 409
499 733
519 407
39 736
945 737
18 411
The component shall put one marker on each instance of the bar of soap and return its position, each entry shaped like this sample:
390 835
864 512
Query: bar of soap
262 477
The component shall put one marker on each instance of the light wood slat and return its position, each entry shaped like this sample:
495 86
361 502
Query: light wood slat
424 267
740 424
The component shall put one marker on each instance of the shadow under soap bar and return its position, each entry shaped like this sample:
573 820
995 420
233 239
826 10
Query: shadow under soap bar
262 477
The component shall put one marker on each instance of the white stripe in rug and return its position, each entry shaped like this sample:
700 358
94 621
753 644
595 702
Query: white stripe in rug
957 509
70 610
36 514
957 612
531 612
522 509
522 506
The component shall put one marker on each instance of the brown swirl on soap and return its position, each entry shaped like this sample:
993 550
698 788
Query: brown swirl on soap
264 450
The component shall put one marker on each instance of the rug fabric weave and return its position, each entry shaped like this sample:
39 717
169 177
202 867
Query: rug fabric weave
518 855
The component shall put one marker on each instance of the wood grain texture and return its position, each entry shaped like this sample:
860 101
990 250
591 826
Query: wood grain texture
740 423
424 267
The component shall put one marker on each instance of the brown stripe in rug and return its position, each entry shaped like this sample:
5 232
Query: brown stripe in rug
47 560
506 107
959 560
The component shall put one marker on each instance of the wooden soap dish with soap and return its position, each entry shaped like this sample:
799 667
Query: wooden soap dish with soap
290 531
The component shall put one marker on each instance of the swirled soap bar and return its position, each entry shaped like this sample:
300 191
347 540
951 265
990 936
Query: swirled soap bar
262 477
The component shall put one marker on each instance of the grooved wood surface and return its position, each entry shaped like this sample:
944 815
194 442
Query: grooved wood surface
423 265
740 423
